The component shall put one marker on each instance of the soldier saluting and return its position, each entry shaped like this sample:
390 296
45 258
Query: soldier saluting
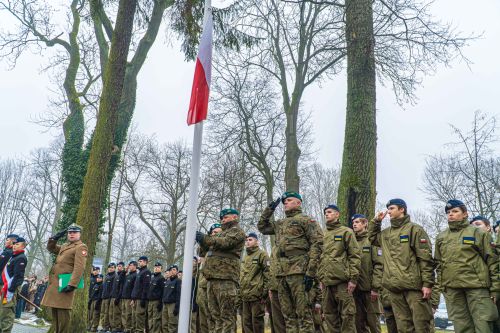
71 259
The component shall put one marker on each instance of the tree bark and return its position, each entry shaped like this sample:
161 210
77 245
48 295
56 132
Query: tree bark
96 178
357 189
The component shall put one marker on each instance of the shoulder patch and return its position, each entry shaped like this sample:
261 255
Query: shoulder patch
423 241
469 240
367 249
404 239
379 252
337 238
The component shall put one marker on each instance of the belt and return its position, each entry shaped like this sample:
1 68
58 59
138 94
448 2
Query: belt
291 253
223 255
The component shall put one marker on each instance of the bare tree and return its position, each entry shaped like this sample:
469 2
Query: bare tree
13 188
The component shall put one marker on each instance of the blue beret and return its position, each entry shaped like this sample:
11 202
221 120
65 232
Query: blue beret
213 227
228 211
253 235
111 264
480 218
453 203
290 194
133 262
397 202
20 240
143 258
121 263
358 216
331 206
12 236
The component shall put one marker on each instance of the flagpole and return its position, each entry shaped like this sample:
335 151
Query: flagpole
187 267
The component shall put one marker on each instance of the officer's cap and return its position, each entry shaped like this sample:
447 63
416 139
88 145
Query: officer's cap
143 258
228 211
397 202
213 227
331 206
19 240
253 235
172 267
480 218
158 264
133 262
13 236
358 216
454 203
290 194
111 264
74 228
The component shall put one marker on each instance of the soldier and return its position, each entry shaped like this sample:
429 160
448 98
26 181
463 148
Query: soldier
140 295
93 277
299 240
339 269
467 270
107 286
95 303
71 258
254 281
127 308
367 291
222 270
154 299
7 251
171 299
277 319
13 277
483 223
408 267
201 295
115 313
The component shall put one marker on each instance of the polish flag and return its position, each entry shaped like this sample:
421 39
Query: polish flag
198 106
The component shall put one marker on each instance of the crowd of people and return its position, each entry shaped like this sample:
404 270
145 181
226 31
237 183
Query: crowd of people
31 294
338 279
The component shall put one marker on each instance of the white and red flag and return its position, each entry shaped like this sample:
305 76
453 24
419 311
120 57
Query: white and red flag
198 106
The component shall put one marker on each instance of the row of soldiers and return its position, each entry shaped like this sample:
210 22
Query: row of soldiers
335 280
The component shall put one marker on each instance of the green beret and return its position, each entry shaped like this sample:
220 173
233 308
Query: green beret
228 211
290 194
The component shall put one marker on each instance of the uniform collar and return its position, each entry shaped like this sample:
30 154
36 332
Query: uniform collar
293 212
361 235
332 225
399 222
228 225
456 226
251 250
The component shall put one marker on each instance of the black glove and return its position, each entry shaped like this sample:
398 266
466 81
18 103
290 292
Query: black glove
67 289
176 311
117 301
275 203
159 306
143 303
199 236
308 282
59 235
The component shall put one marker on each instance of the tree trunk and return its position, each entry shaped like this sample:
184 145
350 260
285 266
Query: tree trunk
357 189
292 179
96 178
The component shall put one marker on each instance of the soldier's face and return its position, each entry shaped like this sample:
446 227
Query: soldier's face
229 218
481 225
157 269
120 268
132 268
9 242
74 236
291 203
456 214
167 274
173 272
142 263
251 242
395 212
359 225
18 246
111 269
331 215
216 231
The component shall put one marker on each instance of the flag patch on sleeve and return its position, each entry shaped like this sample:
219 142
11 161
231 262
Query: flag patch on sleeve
423 241
469 240
337 238
366 249
404 239
379 252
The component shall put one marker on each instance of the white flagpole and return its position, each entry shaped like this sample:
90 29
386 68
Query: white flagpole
187 267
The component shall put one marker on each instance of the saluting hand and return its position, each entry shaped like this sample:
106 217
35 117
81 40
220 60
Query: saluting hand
380 216
59 235
275 203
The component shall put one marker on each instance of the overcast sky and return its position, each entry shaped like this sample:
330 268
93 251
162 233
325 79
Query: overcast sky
405 136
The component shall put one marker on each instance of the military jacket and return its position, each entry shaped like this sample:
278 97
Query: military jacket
116 289
16 267
340 259
156 285
96 291
128 286
299 240
223 257
4 258
465 258
107 285
407 254
141 284
273 269
172 291
370 277
202 253
254 277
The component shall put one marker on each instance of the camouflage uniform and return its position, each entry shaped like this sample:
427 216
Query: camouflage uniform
201 294
315 300
370 278
222 271
299 240
340 263
277 319
254 280
408 266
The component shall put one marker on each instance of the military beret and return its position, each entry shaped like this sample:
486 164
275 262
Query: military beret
121 263
358 216
74 228
331 206
111 264
253 235
158 264
143 258
172 267
228 211
20 240
453 203
96 268
12 236
133 262
480 218
213 227
290 194
397 202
